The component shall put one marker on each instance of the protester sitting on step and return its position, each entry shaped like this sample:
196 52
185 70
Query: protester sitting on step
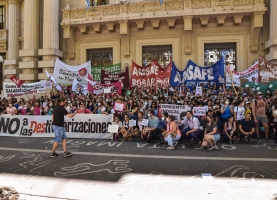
151 132
194 130
211 134
172 134
246 128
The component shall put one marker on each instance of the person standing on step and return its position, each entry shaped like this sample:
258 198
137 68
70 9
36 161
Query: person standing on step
58 126
259 109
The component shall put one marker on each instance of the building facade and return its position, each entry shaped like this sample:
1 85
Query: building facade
33 33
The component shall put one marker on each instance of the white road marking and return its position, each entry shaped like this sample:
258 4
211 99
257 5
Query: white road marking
148 156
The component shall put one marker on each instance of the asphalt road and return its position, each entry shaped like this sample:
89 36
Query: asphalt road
104 169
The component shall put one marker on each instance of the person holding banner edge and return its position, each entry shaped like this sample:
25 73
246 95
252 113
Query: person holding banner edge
58 126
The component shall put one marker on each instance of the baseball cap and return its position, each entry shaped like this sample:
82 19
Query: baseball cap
259 93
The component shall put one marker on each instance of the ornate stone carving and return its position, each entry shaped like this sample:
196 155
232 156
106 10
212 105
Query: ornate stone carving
174 6
222 3
113 11
201 4
75 15
94 13
3 34
65 15
135 9
243 2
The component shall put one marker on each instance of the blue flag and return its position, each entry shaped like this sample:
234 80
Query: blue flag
88 3
177 76
161 2
194 74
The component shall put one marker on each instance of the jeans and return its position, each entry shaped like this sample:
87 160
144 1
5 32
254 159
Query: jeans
59 133
169 139
195 135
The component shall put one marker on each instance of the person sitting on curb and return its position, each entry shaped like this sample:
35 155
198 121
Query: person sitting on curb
211 135
151 132
194 129
246 128
172 134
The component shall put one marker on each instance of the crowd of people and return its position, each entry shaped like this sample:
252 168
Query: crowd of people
230 117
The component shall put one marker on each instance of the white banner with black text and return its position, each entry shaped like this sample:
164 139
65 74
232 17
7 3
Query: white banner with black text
80 126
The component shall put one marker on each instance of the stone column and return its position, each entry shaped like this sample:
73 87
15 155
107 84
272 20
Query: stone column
271 44
29 54
11 64
50 49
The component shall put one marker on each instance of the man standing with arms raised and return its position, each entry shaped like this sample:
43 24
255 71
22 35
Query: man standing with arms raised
58 126
259 109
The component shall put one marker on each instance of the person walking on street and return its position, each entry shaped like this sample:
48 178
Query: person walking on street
58 126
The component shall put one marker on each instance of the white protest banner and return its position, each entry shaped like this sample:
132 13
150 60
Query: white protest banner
132 123
65 74
79 88
144 122
51 78
107 90
46 84
199 111
80 126
235 79
178 111
119 107
11 89
199 91
113 128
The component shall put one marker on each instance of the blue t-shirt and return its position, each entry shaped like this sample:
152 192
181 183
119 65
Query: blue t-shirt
153 123
162 124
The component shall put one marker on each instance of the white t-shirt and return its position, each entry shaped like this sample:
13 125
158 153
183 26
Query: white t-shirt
240 112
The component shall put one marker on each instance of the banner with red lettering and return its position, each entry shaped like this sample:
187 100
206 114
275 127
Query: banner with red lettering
107 77
80 126
268 71
111 89
152 75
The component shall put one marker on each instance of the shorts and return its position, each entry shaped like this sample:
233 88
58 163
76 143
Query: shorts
262 119
217 137
59 133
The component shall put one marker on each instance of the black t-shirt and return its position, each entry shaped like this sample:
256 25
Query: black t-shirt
58 113
247 125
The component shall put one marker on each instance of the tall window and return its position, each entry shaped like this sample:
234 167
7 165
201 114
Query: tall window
213 52
100 57
162 53
2 17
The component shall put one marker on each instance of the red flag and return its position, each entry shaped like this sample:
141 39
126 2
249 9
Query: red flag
16 81
89 85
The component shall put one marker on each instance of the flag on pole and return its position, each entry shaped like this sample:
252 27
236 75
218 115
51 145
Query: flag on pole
51 78
16 81
89 83
161 2
88 3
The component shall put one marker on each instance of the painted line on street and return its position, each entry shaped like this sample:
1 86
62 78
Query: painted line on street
148 156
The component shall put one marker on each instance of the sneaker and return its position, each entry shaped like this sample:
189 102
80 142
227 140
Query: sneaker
54 155
267 140
211 148
170 148
230 141
67 154
216 147
175 143
258 139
